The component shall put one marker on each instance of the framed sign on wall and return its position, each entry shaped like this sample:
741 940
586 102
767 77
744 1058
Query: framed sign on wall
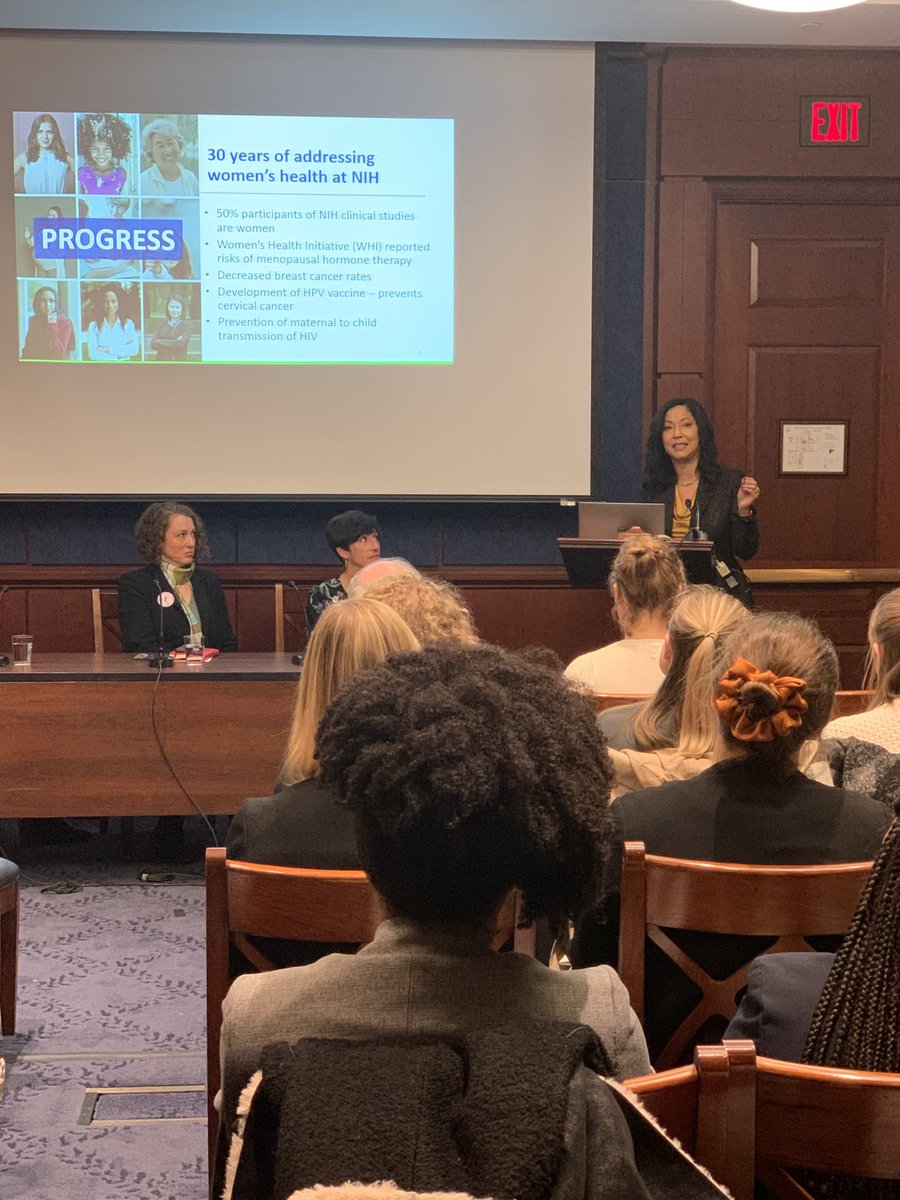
813 447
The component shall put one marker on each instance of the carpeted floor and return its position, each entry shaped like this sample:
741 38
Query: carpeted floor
111 996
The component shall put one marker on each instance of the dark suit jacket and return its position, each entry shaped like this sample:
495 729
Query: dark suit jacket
736 811
139 612
300 826
733 536
777 1009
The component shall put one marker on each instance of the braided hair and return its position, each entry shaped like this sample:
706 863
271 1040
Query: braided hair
857 1020
856 1023
471 771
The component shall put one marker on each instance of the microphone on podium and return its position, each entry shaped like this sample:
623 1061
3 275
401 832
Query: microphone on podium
4 658
694 533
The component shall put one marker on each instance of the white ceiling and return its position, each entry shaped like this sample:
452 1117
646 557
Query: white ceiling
875 23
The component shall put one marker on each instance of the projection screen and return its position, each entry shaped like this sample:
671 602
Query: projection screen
375 283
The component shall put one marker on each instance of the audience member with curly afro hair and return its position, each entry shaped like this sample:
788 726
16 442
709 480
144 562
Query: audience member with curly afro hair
471 771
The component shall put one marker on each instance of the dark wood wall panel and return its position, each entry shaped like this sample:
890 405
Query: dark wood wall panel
732 113
569 621
253 617
803 332
60 619
683 235
817 383
777 284
809 273
671 387
512 608
842 612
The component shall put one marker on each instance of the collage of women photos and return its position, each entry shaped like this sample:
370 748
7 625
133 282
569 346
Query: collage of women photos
107 303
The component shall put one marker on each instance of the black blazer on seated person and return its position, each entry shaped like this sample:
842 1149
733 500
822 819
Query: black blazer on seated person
139 612
302 825
777 1009
741 811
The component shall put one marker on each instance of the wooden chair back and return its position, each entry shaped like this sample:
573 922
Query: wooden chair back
105 615
247 900
9 945
709 1108
746 1118
250 900
605 700
290 620
848 704
787 903
824 1119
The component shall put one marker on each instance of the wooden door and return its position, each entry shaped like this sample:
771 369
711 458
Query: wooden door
806 308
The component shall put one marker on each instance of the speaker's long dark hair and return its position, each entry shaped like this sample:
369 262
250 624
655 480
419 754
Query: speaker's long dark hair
659 473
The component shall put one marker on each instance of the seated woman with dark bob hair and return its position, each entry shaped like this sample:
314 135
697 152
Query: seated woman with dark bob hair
469 771
172 597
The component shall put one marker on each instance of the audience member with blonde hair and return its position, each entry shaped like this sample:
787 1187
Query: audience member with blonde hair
645 578
880 724
433 609
674 734
301 825
754 805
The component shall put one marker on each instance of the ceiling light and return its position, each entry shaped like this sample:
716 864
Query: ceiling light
798 6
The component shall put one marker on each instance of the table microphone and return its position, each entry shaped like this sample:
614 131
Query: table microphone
4 658
296 659
160 658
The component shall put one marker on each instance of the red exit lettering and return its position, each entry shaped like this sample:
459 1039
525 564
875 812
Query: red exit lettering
835 121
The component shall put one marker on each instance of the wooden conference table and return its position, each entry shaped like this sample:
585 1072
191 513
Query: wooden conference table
76 734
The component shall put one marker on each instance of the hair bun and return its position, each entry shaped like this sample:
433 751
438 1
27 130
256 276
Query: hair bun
759 699
759 706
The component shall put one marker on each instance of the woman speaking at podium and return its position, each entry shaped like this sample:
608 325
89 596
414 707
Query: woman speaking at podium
161 603
681 471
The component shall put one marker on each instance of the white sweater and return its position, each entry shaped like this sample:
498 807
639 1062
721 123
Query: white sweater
881 726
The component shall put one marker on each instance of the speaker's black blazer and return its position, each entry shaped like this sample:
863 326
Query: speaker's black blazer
732 535
139 611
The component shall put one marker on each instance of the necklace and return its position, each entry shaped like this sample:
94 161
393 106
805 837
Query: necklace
687 483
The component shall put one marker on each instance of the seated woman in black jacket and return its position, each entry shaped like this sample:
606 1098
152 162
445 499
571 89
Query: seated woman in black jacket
753 806
301 825
161 603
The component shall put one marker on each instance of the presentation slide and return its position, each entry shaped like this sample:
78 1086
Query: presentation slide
284 268
245 240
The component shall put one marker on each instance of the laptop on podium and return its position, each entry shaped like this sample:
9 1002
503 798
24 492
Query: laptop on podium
599 521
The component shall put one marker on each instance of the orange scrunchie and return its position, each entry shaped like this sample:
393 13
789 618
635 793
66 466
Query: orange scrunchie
734 712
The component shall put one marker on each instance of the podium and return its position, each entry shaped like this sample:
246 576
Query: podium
588 561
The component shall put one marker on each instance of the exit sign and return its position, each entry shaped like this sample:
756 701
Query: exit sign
834 121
